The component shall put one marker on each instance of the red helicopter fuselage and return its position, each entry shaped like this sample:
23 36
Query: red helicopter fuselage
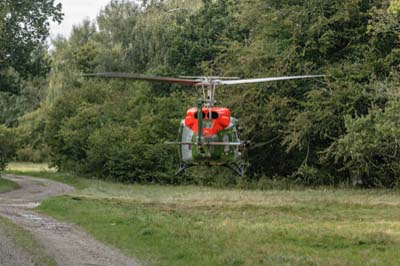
215 119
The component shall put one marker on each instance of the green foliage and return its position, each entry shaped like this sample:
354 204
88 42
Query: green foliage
30 154
24 27
24 60
352 41
7 185
196 49
369 150
113 130
126 160
114 133
31 146
30 97
7 146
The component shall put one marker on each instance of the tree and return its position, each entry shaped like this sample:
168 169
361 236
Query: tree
102 128
370 149
24 28
7 146
202 39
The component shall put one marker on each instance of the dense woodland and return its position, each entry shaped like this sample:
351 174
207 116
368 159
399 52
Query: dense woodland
343 129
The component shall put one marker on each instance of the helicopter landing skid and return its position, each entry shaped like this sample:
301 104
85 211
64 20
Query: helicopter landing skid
238 169
182 168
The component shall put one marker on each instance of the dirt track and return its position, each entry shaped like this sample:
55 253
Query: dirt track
67 244
10 255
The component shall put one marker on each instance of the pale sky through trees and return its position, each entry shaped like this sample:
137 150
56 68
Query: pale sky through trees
75 11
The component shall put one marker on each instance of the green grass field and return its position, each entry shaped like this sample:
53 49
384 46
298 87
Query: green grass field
6 185
29 167
187 225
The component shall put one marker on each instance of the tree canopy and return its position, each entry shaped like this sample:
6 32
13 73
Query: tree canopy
24 28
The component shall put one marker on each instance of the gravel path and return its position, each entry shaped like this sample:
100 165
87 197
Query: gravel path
66 243
11 255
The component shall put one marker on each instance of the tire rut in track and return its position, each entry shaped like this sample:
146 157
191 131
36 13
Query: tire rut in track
66 243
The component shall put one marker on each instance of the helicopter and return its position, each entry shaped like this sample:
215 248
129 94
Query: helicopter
208 135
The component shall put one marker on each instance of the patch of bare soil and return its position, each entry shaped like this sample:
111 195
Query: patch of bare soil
66 243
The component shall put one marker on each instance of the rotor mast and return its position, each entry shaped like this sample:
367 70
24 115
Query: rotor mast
208 90
208 85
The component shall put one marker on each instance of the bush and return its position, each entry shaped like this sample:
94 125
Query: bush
115 134
29 135
7 146
312 176
29 154
114 153
370 151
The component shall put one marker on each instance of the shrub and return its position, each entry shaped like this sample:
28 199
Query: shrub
110 133
29 154
7 146
370 151
114 153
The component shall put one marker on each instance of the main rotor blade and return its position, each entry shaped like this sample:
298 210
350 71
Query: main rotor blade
194 81
249 81
189 82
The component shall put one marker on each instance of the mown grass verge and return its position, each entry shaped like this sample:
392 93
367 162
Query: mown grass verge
24 240
187 225
29 167
7 185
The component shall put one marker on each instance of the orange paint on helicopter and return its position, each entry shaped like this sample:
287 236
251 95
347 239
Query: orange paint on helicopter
215 119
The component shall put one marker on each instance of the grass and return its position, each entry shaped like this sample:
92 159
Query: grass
7 185
78 183
29 167
24 240
187 225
